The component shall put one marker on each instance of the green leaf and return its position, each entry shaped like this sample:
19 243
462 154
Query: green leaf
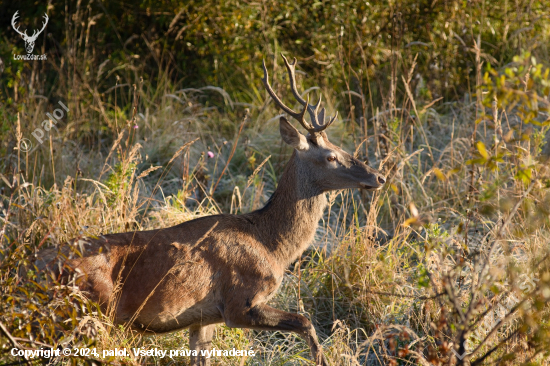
482 150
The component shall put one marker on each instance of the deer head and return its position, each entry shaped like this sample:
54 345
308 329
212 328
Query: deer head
29 40
327 166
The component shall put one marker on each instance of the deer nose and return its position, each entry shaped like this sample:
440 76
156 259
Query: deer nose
381 179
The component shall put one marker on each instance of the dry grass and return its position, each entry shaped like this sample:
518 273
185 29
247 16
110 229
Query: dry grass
408 275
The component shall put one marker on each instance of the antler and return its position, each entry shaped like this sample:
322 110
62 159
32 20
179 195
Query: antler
24 34
13 19
317 118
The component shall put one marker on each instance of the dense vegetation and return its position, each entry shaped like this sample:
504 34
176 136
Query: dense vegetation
168 120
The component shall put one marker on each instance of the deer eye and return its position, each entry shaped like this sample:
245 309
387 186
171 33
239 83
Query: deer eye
331 158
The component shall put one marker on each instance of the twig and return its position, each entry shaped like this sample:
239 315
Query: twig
33 342
492 350
473 297
404 295
10 337
502 322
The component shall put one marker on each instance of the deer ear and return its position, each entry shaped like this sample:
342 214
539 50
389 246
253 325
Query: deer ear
292 136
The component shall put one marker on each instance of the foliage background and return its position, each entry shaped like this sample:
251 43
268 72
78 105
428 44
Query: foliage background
448 98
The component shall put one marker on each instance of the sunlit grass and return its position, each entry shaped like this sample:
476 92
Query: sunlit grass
407 275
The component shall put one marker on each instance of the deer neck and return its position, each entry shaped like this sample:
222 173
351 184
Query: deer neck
288 222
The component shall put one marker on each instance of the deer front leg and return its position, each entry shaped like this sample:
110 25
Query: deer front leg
263 317
200 338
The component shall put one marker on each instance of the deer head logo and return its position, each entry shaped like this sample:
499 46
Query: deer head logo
29 40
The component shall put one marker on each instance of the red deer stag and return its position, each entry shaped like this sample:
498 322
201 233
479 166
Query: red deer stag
225 268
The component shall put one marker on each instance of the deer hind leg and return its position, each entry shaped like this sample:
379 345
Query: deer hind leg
263 317
200 338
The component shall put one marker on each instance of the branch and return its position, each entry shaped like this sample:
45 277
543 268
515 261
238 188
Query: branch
10 337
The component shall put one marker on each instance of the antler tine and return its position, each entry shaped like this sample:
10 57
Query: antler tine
45 22
291 67
13 19
331 120
318 103
296 115
320 115
303 122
